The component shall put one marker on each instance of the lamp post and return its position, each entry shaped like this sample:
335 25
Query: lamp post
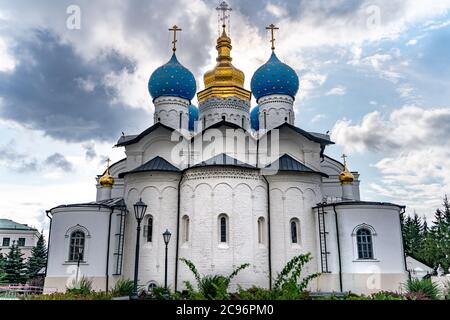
139 212
79 258
166 236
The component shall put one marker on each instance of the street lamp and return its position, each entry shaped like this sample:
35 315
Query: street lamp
166 236
139 212
79 258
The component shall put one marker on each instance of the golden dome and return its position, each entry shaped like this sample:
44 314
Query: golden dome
346 177
225 80
106 181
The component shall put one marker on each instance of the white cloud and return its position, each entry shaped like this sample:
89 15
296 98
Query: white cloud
318 118
7 61
276 11
412 42
337 91
413 144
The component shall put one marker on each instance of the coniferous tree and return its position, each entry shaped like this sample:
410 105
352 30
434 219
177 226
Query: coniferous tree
15 268
2 268
38 259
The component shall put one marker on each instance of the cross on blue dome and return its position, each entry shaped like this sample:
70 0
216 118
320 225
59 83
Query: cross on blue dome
172 79
274 77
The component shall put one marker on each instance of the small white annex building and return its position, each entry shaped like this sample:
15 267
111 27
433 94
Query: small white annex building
24 236
234 185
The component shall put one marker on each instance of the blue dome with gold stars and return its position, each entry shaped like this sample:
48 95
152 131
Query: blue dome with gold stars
193 117
172 79
274 77
254 118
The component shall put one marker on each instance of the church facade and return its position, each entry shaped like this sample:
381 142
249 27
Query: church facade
234 185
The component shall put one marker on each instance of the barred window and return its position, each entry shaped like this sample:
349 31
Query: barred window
365 244
76 250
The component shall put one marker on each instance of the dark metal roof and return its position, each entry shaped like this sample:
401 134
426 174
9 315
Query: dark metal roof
156 164
110 203
127 140
316 137
223 160
354 203
287 163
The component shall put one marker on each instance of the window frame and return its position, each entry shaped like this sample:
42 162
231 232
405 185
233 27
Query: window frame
220 229
3 242
295 222
86 243
185 231
19 244
146 234
74 255
373 234
261 225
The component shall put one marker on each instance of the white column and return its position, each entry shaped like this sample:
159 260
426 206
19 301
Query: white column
347 191
274 110
172 112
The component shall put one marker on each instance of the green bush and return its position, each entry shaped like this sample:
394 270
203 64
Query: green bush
421 289
123 287
211 287
82 287
254 293
386 295
289 285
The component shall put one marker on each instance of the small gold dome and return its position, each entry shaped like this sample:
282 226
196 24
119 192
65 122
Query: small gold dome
346 177
106 181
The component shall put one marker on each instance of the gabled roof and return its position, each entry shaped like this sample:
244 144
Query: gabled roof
156 164
223 160
323 139
287 163
6 224
127 140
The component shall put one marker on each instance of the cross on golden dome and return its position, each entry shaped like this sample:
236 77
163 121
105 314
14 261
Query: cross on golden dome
272 29
175 29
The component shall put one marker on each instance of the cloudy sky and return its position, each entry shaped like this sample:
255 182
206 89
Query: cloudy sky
375 73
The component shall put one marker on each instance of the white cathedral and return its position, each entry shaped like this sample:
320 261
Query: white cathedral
233 185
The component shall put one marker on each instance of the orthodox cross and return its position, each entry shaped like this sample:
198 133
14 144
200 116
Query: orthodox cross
174 42
108 160
272 29
344 156
222 9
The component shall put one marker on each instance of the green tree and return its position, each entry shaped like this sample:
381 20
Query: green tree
14 266
2 268
38 259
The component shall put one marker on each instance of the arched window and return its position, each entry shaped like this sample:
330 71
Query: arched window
243 122
261 230
185 229
181 120
295 228
223 228
148 229
364 243
77 242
